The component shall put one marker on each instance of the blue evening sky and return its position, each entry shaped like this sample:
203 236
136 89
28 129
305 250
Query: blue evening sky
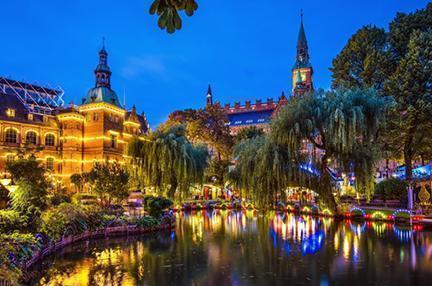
244 48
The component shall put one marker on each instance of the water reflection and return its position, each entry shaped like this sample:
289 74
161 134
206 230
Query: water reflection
245 248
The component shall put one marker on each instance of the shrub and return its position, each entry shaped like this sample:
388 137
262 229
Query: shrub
11 220
84 199
146 221
69 219
156 205
15 249
392 189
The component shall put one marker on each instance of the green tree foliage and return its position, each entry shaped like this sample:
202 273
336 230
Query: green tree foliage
402 27
156 205
110 182
248 133
392 189
70 219
263 169
410 127
208 126
217 172
31 196
168 12
11 221
78 180
397 63
168 161
362 63
29 200
21 247
29 170
342 127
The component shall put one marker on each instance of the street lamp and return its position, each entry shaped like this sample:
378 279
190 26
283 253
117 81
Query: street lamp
8 184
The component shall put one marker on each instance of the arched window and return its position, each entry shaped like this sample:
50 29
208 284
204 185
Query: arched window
31 137
50 164
49 140
11 136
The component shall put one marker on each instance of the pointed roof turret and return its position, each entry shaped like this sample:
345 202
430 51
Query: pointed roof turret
102 91
301 39
209 96
302 57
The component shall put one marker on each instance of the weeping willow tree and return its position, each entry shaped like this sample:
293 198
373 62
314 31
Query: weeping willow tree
264 169
167 161
343 128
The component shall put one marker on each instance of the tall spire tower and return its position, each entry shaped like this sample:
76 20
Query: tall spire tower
302 70
209 96
102 71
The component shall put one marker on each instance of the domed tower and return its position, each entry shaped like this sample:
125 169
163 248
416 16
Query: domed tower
104 117
302 70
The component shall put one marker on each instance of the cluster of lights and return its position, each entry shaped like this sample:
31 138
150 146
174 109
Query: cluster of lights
70 116
357 209
102 106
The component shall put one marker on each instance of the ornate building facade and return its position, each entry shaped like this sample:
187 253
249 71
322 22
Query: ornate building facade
67 140
259 113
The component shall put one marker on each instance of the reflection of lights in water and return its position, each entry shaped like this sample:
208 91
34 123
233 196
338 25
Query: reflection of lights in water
313 243
379 228
346 246
403 235
336 241
356 248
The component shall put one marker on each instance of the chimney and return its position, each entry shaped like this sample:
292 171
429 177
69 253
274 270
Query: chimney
248 104
270 101
237 105
258 103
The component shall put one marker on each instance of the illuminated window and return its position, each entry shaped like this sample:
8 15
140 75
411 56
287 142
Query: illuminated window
95 116
30 116
49 140
10 157
116 119
50 164
11 136
10 112
113 141
45 119
31 137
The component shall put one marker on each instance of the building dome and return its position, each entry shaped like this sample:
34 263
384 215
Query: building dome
102 94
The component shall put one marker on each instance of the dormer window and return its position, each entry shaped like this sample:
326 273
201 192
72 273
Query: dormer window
30 116
10 112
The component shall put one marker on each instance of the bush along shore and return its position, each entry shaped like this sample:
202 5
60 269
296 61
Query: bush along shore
23 242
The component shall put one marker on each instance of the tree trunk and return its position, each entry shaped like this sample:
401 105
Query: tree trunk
172 190
408 165
325 188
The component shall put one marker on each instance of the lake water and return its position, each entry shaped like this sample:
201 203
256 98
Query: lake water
244 248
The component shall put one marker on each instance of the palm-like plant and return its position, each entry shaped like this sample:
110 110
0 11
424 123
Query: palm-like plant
167 161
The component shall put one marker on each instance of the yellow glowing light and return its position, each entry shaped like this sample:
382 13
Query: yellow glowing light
327 212
102 106
70 116
131 123
378 215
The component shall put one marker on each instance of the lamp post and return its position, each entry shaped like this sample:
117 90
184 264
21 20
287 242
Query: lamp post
8 184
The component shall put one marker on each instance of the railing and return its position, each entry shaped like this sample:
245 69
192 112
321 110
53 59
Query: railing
106 232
